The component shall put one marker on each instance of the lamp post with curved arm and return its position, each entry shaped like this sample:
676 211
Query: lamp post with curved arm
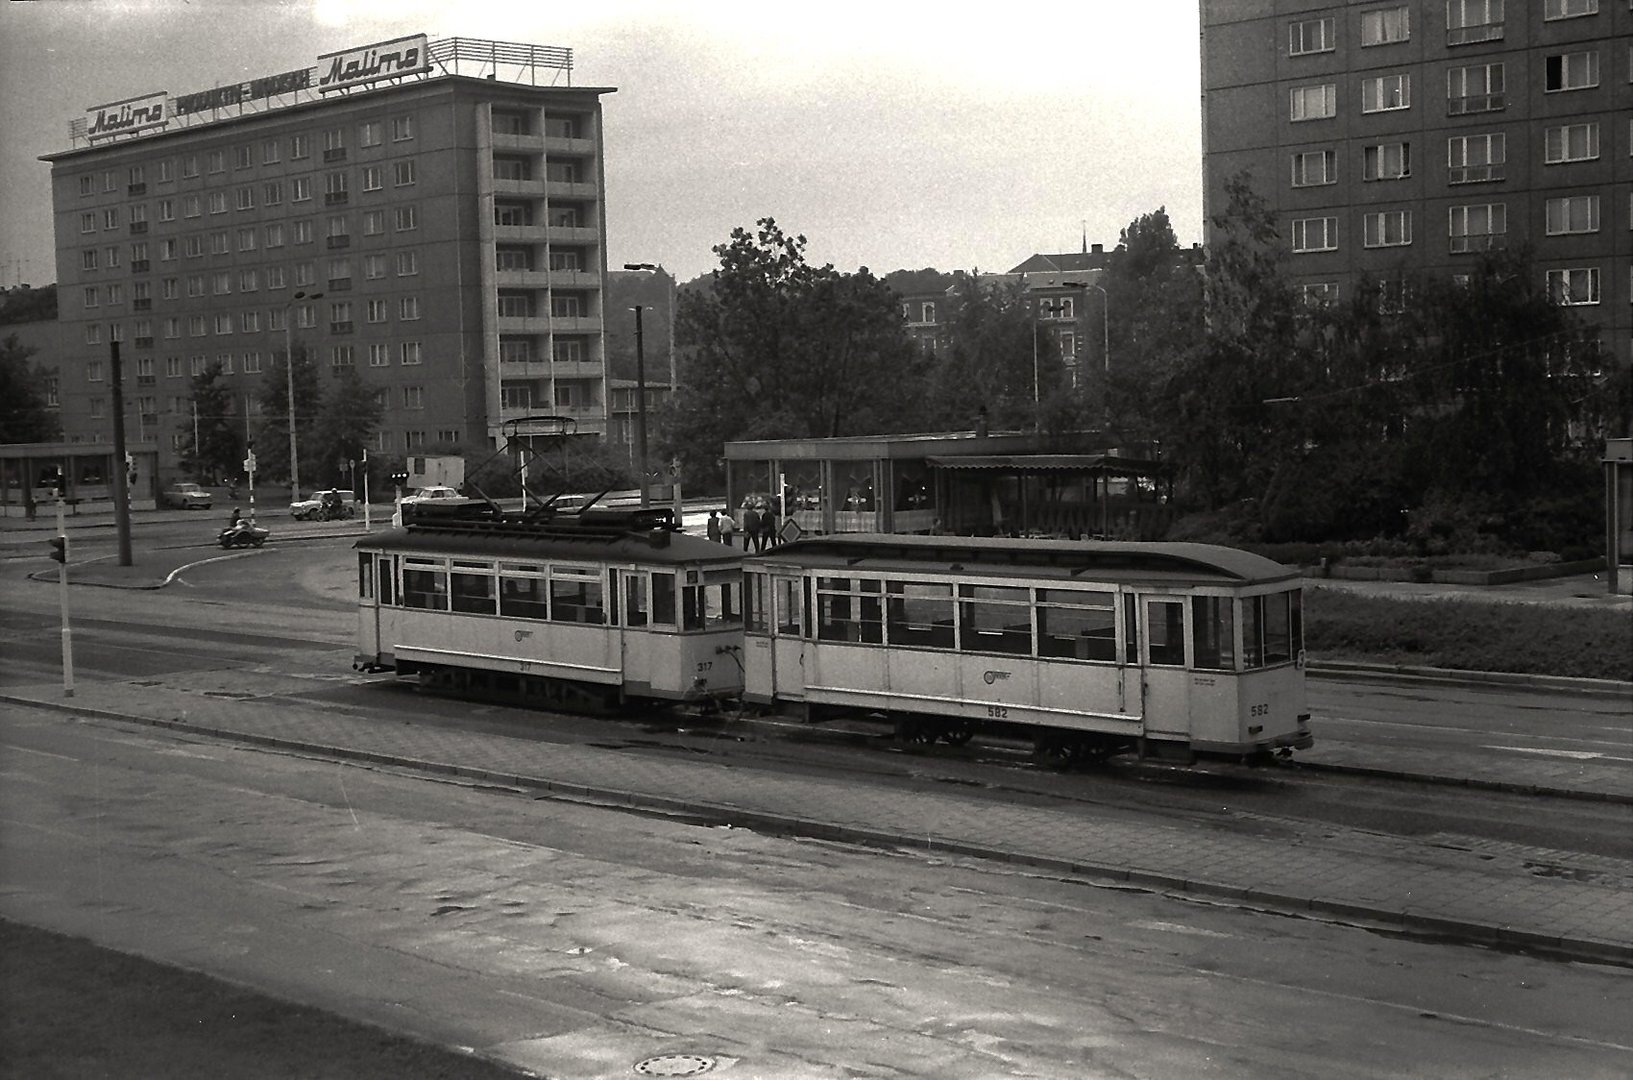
1105 338
289 371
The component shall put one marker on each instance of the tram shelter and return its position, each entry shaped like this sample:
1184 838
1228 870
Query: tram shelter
31 474
966 483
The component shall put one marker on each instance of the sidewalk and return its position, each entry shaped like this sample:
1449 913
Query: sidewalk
1491 895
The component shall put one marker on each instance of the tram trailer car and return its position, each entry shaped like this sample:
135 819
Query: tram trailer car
592 612
1174 651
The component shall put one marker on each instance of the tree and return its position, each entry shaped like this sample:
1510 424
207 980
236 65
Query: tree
220 446
272 438
24 416
345 424
776 348
988 364
23 304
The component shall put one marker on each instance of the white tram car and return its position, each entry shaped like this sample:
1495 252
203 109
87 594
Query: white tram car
1091 648
589 611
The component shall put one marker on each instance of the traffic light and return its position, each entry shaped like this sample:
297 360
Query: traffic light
400 478
59 549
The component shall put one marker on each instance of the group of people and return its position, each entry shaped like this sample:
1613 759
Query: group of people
758 527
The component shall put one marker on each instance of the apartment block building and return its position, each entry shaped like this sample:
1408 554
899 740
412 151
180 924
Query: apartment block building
1395 136
429 214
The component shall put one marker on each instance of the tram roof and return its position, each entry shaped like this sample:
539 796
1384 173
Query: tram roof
1113 560
593 538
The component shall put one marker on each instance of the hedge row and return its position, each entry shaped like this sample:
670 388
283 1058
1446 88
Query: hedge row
1471 635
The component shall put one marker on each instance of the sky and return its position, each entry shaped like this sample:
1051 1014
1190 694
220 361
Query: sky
892 135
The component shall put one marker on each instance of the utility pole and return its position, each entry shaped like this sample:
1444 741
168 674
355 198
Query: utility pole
121 480
640 404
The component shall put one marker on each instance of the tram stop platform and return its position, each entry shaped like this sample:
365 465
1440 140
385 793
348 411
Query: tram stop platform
1493 895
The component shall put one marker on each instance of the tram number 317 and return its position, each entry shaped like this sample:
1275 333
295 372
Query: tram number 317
704 665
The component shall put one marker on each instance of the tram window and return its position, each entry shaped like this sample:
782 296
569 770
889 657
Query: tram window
845 615
663 599
386 580
1252 641
1131 629
787 597
473 593
755 600
1077 624
365 576
921 614
722 600
1212 633
522 598
995 618
1165 620
575 595
427 589
636 605
1278 630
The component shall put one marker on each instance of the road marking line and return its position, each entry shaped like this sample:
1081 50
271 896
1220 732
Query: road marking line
1578 755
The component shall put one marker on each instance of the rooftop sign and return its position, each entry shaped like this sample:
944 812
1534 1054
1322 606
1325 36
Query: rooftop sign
334 72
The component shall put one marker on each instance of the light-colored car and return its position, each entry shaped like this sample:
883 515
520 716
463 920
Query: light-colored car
445 496
186 496
309 508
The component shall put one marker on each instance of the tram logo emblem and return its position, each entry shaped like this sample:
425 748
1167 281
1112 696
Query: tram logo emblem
990 677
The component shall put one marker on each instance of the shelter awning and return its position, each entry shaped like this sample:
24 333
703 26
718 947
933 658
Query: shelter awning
1052 464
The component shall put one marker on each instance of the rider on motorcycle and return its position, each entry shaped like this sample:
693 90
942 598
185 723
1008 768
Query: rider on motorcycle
237 519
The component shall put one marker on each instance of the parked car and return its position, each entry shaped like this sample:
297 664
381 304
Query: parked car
339 501
446 496
185 496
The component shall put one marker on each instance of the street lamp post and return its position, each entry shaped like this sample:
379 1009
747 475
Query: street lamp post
1105 338
640 403
289 372
657 269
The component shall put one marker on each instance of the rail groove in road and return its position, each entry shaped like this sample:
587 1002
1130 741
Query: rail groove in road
1466 903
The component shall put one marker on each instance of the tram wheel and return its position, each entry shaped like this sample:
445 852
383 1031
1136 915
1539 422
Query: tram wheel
957 732
916 731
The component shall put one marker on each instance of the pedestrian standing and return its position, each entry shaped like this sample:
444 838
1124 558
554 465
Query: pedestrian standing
751 525
714 526
727 527
765 535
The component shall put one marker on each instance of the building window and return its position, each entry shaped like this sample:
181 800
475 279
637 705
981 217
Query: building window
1385 26
371 178
189 166
409 352
370 133
334 186
216 161
195 285
1574 287
1475 88
1568 9
408 263
246 239
1387 228
512 214
1475 159
1468 21
168 250
515 305
374 222
1387 161
243 157
379 355
413 397
248 280
512 168
1477 227
1572 71
567 350
305 275
218 202
378 310
275 235
1573 214
408 218
402 173
1310 36
271 152
510 123
220 243
374 267
1314 102
408 308
171 288
303 231
402 128
1386 93
275 278
167 171
513 258
342 356
221 283
87 259
249 322
252 363
1315 234
87 185
300 147
300 189
272 193
110 218
1571 142
167 209
1315 167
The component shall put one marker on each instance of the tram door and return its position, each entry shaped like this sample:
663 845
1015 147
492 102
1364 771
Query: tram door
1164 679
374 598
788 612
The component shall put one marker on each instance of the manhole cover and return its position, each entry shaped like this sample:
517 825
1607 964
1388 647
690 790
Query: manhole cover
675 1065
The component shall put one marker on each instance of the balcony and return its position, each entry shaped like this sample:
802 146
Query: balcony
341 327
145 380
1469 35
344 240
532 143
512 279
340 284
518 234
137 228
136 189
510 186
1478 242
545 324
142 303
336 198
573 189
559 145
1474 174
574 279
139 266
1478 103
144 343
335 153
574 234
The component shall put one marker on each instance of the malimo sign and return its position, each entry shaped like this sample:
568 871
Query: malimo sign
127 117
334 71
370 63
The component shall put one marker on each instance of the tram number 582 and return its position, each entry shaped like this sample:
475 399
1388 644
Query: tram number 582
1259 710
998 712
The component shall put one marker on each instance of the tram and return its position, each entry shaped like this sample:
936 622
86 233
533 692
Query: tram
1173 651
594 611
